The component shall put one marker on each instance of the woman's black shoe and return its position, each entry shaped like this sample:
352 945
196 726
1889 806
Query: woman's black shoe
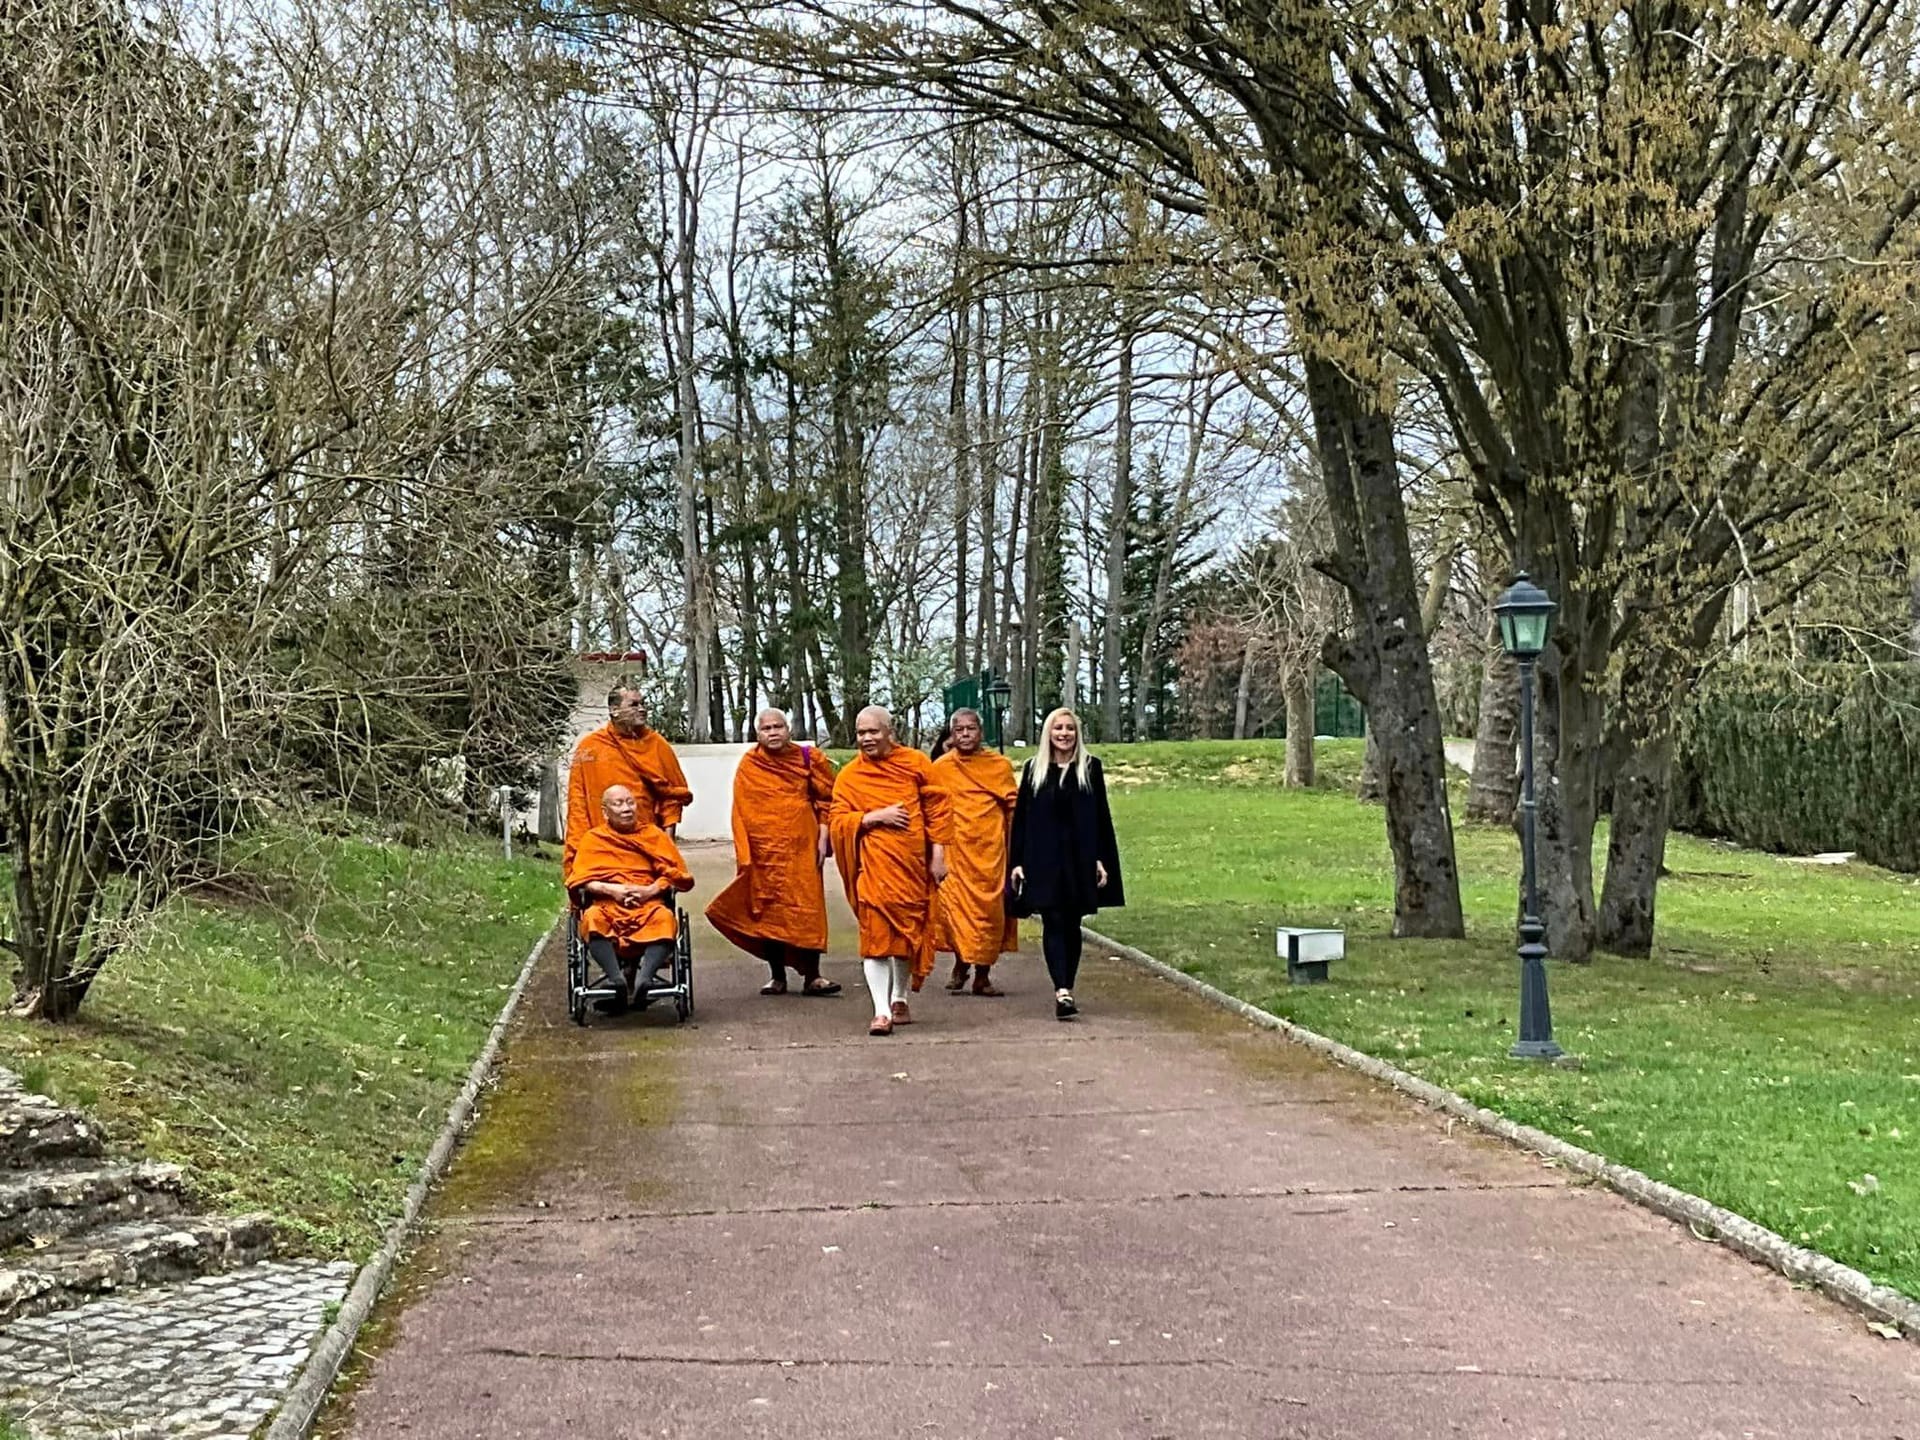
1064 1008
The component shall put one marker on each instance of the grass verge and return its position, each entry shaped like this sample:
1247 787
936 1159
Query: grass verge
295 1038
1767 1056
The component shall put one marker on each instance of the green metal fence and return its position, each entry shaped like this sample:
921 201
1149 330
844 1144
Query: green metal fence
1335 711
974 693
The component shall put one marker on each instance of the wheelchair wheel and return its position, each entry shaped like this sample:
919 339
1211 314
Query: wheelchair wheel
576 973
683 969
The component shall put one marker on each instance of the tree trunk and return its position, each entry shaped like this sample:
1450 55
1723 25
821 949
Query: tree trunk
1300 729
989 415
1439 582
619 627
1070 688
1389 667
1566 764
699 601
550 829
1495 788
1243 692
1913 607
59 873
1122 508
1653 683
958 417
1636 845
1370 790
852 585
1200 412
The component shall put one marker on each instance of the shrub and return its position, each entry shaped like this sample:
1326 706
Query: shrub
1805 758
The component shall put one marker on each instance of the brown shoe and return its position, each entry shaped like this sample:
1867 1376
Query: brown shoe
983 984
881 1026
957 981
902 1015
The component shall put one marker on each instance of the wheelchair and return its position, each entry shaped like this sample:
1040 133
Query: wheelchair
585 983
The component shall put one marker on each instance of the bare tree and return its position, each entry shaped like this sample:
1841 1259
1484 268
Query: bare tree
245 412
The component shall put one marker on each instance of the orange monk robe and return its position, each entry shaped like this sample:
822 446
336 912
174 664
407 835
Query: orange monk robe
971 920
886 871
639 857
779 804
645 764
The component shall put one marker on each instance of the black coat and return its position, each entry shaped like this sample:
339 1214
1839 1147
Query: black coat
1058 832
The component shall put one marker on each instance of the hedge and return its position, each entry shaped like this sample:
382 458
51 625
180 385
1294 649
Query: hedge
1804 759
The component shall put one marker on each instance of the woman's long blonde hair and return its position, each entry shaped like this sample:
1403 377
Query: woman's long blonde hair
1036 768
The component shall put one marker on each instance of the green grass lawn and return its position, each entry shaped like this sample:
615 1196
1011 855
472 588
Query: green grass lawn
297 1044
1767 1056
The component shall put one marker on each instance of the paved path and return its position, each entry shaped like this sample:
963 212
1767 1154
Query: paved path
1153 1222
203 1359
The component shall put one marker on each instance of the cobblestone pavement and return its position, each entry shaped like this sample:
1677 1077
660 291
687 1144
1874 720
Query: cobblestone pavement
206 1358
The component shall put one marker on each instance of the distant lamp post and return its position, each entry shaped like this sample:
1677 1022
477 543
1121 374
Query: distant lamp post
998 694
1525 613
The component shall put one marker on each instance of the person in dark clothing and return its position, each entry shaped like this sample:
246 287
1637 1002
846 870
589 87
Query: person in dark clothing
1063 862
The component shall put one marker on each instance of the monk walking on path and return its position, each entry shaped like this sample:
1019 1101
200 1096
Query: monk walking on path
776 907
972 923
624 751
619 877
890 825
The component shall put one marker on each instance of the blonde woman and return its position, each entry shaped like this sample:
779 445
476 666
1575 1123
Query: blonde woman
1063 862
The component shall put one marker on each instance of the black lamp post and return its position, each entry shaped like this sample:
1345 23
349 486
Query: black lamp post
1525 613
998 693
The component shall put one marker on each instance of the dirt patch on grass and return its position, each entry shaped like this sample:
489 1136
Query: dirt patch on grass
240 890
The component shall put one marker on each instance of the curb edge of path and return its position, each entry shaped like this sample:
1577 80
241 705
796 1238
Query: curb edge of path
309 1392
1706 1220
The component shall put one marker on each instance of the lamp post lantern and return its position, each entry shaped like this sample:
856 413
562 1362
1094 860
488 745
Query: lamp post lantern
998 693
1525 613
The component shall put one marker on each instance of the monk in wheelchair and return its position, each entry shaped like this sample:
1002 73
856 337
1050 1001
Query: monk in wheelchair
621 881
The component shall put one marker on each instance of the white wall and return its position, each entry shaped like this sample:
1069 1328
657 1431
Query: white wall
709 770
710 776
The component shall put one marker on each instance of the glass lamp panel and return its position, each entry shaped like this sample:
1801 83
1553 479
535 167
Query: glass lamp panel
1530 632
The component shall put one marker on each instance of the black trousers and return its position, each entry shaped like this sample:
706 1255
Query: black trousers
779 957
656 954
1060 943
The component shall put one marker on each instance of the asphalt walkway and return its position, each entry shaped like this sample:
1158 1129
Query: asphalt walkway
1152 1222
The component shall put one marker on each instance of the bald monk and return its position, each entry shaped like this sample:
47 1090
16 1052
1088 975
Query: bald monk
625 751
889 825
620 872
971 920
776 907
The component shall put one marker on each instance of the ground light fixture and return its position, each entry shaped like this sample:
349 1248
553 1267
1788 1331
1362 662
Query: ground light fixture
1525 613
